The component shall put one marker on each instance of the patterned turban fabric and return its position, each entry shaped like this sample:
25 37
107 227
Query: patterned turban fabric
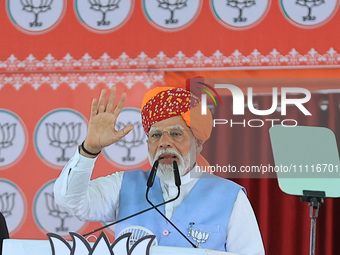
165 102
162 103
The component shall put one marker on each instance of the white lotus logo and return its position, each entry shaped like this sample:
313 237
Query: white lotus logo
172 6
7 134
133 139
199 236
240 5
7 203
63 136
36 7
55 211
104 7
102 246
309 4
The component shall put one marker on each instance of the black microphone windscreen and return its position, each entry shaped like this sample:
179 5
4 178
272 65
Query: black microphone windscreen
176 173
152 175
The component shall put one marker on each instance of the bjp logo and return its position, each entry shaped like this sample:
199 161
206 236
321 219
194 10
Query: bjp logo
57 136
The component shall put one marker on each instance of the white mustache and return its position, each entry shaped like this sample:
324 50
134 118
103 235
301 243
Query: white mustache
163 151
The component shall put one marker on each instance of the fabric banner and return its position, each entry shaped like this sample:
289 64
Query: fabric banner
57 55
167 35
42 121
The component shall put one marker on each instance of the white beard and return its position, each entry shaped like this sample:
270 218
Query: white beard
165 171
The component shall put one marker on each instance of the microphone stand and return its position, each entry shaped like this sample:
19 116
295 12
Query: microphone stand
150 182
133 215
149 185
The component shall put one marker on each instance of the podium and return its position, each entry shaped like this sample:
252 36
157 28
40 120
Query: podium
43 247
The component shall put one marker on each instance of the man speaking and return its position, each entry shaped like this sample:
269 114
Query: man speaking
176 131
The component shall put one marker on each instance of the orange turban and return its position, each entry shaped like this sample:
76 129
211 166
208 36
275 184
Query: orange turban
165 102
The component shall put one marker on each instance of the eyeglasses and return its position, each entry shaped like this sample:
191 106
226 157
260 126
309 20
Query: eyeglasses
175 134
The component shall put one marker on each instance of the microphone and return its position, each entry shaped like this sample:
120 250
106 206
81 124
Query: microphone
176 173
152 175
150 182
178 184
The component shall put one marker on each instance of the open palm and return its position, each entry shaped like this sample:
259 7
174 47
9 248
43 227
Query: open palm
101 130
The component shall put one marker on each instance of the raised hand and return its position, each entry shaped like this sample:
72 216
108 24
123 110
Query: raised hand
101 130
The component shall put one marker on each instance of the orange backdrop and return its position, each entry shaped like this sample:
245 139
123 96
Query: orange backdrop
67 65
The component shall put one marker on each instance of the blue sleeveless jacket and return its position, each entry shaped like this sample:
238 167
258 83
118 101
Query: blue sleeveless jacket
208 205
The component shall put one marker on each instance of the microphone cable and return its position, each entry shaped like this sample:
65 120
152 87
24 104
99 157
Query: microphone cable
178 184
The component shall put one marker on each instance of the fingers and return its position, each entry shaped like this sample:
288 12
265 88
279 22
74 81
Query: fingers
101 104
109 105
94 109
123 132
120 105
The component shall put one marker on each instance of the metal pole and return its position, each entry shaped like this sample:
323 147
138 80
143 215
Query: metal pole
314 212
